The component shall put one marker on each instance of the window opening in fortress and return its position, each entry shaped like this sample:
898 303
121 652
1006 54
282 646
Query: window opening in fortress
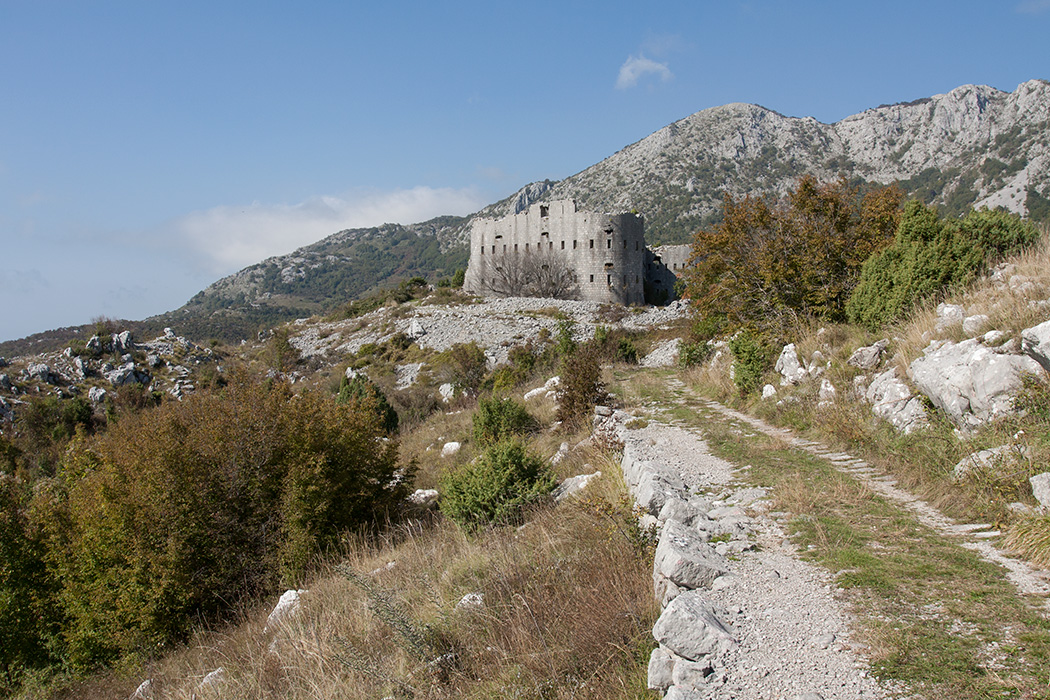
544 211
608 243
608 279
635 245
526 247
592 278
515 247
551 246
592 242
493 250
563 245
625 245
574 245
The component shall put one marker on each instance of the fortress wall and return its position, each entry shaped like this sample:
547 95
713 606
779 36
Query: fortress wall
606 253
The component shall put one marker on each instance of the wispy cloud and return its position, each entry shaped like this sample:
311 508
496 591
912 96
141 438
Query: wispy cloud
227 238
637 67
1033 7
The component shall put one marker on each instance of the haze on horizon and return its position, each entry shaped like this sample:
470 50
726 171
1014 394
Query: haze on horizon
148 150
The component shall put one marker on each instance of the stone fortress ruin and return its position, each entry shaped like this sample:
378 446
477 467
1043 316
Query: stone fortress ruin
554 250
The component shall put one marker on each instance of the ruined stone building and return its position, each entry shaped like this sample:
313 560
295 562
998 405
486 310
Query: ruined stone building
553 250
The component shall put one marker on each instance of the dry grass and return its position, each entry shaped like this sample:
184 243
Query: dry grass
567 609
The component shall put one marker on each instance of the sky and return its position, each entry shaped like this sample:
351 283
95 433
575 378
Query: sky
148 149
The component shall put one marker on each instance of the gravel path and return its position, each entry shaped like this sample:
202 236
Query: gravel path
790 632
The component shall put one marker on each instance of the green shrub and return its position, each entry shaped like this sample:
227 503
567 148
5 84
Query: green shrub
495 487
496 420
178 513
564 343
626 352
364 392
693 354
930 255
581 387
464 366
751 360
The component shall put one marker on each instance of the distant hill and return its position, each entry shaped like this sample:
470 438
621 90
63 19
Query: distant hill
974 146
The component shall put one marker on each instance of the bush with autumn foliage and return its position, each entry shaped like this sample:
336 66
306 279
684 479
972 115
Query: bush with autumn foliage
766 264
176 513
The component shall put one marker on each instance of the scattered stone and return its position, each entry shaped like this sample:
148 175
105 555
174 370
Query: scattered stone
407 374
122 342
603 411
996 457
663 355
416 329
3 362
447 391
892 400
769 391
684 559
5 382
154 361
43 373
868 357
286 608
471 601
993 337
96 394
973 325
559 456
573 485
450 448
144 691
213 679
949 315
826 395
94 344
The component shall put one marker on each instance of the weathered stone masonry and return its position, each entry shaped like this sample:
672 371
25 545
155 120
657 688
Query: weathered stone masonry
605 253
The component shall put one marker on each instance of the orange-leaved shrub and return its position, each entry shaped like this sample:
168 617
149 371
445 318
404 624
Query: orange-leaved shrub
178 513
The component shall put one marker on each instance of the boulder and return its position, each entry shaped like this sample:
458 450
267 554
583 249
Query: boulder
42 372
970 382
1035 342
96 394
6 412
663 355
94 344
559 456
144 691
687 512
416 329
826 395
655 488
868 357
471 601
6 383
3 362
789 366
769 391
80 367
892 401
689 627
450 448
684 559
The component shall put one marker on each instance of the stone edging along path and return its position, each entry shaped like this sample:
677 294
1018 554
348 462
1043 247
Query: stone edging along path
742 616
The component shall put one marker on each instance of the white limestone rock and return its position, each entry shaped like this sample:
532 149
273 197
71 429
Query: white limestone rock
684 559
447 392
471 602
949 315
1035 342
661 668
689 627
769 392
573 486
789 366
973 325
450 448
970 382
1003 456
287 607
892 400
96 394
868 357
424 498
1041 489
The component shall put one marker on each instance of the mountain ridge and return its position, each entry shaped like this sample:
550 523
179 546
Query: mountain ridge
972 146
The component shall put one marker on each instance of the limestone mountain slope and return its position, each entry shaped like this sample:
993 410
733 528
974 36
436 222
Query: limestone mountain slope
974 146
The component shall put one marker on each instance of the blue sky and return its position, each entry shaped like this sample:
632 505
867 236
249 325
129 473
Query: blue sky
149 148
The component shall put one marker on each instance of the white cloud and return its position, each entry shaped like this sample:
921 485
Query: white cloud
1033 7
231 237
635 67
